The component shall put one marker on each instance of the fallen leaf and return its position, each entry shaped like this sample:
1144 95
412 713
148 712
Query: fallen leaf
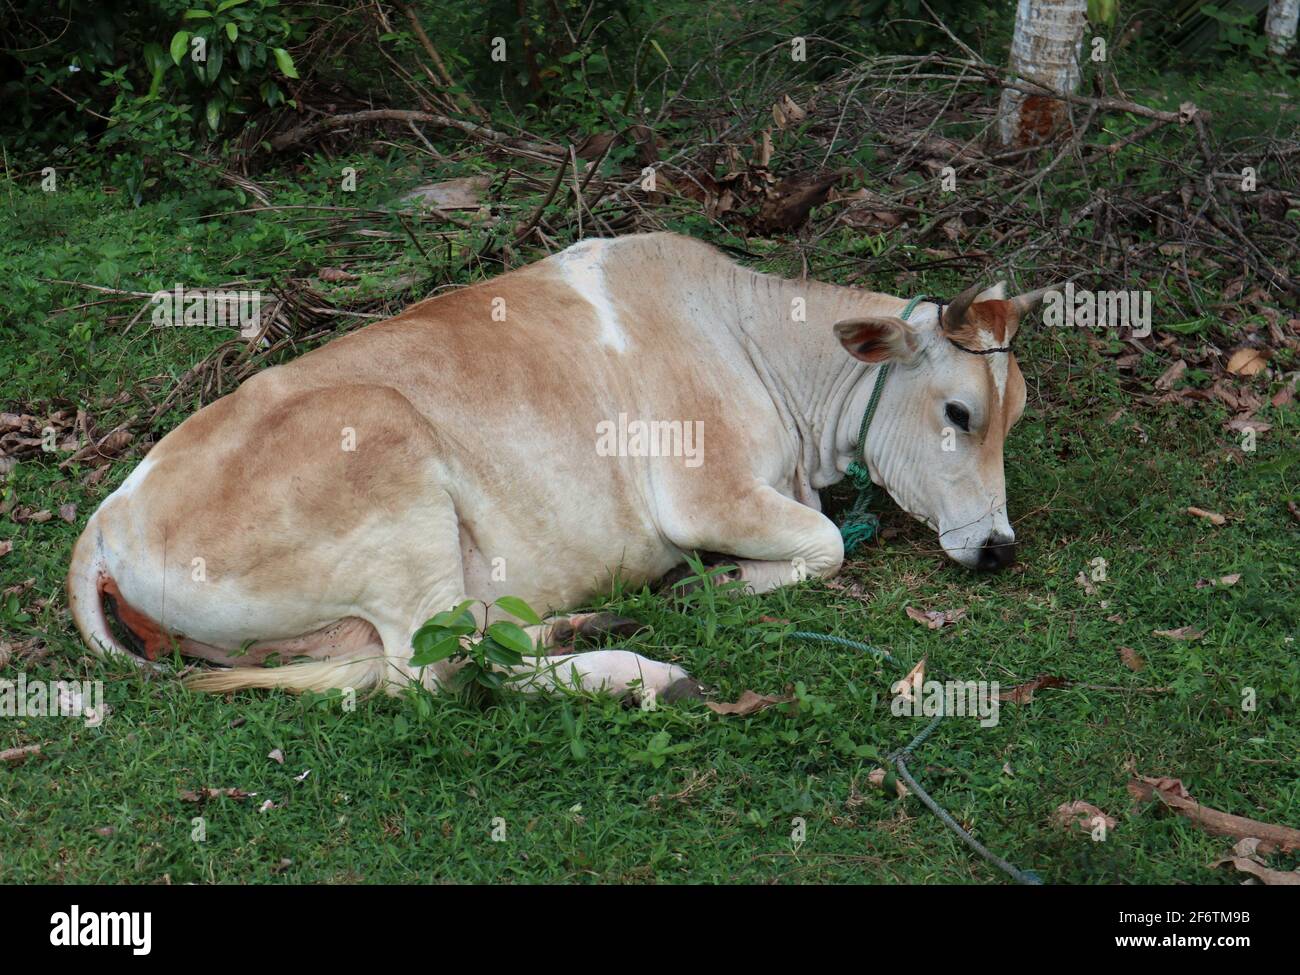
1241 423
595 145
1229 580
1082 814
749 702
266 806
880 779
276 756
1132 659
908 686
68 512
790 201
1088 588
1245 857
453 194
787 112
299 778
332 275
935 619
1173 794
1294 509
105 830
1248 362
208 792
1182 633
1024 693
1213 517
6 546
1171 375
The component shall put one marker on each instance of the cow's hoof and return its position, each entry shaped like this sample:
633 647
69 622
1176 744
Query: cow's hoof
591 627
683 689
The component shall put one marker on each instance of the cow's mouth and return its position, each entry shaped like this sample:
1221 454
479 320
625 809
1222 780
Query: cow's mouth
981 550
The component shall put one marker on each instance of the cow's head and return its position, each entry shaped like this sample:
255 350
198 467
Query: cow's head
953 394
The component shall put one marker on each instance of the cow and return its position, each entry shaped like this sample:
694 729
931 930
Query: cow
599 414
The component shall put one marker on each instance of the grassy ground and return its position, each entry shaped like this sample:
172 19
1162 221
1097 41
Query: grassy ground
589 790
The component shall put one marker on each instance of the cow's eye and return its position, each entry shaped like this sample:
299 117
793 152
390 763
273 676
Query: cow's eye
958 415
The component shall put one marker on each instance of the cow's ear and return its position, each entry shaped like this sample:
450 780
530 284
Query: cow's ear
877 339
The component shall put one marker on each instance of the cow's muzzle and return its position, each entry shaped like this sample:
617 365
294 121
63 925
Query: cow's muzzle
998 553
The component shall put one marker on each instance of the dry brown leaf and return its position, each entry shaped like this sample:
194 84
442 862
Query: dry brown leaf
277 756
1247 422
1245 857
206 793
1171 375
1132 659
6 546
1229 580
68 512
906 688
1024 693
877 777
1082 814
1173 794
332 275
1248 362
453 194
787 112
790 201
935 619
1213 517
1083 580
749 702
1182 633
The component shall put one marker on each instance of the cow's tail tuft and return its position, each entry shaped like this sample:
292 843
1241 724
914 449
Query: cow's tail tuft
320 676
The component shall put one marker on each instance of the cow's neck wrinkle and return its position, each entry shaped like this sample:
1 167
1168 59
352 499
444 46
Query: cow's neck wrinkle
819 390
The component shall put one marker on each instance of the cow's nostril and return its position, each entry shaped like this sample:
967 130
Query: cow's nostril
997 554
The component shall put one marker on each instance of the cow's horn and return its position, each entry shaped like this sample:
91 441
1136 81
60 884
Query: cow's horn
1026 303
955 311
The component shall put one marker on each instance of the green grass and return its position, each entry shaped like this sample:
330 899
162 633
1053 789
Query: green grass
589 790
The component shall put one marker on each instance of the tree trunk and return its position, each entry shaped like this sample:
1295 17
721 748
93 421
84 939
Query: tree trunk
1045 50
1280 25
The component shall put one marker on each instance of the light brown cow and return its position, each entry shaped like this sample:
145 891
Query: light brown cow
602 412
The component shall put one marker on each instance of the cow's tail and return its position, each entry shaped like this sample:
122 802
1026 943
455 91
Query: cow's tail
315 675
86 573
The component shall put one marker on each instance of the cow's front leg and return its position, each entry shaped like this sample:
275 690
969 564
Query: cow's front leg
774 540
614 671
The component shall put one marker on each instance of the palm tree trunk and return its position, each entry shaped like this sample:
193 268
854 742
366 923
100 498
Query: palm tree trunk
1045 50
1280 25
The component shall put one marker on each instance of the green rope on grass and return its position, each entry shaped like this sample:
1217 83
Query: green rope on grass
861 524
900 757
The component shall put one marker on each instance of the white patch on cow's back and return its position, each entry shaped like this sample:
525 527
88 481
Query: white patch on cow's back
582 267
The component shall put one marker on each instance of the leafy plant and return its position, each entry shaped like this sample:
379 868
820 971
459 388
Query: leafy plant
501 644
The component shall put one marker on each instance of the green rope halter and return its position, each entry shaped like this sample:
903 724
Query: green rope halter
861 523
